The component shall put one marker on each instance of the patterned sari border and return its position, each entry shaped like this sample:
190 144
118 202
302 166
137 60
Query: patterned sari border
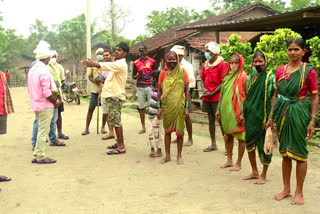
293 156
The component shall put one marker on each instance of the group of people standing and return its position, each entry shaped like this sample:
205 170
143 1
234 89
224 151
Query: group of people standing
244 103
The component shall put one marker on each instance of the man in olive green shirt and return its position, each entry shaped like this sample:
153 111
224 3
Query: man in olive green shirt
93 73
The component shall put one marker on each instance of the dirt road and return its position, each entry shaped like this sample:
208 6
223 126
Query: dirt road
86 180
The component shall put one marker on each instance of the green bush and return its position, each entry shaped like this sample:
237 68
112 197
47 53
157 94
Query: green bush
275 46
234 45
314 45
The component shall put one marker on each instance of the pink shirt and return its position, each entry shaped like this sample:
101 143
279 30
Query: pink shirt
40 86
2 108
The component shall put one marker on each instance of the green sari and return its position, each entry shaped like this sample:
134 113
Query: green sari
231 101
293 115
173 101
256 109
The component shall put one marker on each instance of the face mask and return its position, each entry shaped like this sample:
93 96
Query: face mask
234 67
53 60
259 68
142 55
99 57
207 55
171 64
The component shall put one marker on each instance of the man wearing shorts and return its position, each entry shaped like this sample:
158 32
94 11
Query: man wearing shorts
212 74
107 57
115 93
95 88
142 70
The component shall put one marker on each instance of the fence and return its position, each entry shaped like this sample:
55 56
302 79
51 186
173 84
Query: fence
17 81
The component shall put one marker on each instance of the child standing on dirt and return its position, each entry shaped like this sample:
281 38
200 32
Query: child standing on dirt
155 125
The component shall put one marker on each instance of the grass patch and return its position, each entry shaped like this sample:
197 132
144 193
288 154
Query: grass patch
85 99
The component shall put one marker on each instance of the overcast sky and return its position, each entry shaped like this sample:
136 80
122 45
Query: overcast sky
19 14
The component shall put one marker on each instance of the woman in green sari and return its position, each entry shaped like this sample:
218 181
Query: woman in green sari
256 109
230 109
294 115
172 102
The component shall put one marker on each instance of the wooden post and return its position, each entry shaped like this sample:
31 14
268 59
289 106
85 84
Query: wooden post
88 24
217 36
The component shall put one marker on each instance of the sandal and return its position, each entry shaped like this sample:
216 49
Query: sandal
45 161
117 152
64 137
57 144
210 149
4 178
114 146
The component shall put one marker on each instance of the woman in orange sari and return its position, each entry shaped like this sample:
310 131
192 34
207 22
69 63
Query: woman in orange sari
230 109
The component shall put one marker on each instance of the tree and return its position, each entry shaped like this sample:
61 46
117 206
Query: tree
275 46
298 4
114 19
159 21
224 6
72 39
10 47
39 31
234 45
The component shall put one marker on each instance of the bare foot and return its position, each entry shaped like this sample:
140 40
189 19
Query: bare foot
189 143
298 199
142 131
158 154
107 137
179 161
226 165
85 132
152 155
282 195
165 160
261 180
251 176
235 168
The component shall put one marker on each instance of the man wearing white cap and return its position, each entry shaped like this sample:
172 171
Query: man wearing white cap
42 101
212 74
93 74
192 82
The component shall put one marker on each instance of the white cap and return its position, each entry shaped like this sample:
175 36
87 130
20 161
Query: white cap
178 49
213 47
99 50
43 50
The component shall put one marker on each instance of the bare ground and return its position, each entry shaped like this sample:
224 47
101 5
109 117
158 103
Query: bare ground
86 180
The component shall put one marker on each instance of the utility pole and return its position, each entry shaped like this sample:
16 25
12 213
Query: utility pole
88 42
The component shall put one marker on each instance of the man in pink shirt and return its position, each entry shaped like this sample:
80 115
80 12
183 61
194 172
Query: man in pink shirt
40 87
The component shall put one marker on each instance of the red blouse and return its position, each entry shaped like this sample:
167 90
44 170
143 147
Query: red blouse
163 74
310 85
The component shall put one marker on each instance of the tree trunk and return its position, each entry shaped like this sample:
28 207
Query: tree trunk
113 20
